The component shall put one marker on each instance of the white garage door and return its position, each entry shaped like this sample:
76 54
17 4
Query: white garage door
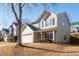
27 38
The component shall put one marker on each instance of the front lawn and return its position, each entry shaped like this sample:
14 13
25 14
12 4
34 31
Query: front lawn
40 49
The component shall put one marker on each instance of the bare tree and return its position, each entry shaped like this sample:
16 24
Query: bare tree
19 21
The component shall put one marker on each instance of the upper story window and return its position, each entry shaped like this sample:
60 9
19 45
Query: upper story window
53 21
50 22
42 24
63 23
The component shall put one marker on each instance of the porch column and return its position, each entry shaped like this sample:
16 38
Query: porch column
41 34
53 35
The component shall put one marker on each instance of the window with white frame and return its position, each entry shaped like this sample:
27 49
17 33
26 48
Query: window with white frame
49 35
42 24
53 21
50 22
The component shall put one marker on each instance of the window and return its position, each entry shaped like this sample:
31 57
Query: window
65 38
42 24
55 34
45 23
48 22
46 35
77 29
49 35
63 23
53 21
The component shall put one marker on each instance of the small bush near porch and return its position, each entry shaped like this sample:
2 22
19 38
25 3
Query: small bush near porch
43 41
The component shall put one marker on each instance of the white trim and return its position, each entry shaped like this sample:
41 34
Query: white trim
53 35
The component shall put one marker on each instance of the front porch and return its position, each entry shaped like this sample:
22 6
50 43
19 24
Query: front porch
45 35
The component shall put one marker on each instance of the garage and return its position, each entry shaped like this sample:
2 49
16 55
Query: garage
27 38
28 33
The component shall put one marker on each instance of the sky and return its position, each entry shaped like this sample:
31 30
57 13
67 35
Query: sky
32 13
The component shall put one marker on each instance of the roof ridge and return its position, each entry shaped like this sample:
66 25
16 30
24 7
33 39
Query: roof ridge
39 18
33 27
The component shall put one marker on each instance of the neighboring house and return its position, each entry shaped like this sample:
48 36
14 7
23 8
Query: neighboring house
75 27
13 29
1 38
5 34
54 27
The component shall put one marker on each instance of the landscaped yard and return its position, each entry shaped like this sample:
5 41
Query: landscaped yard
41 49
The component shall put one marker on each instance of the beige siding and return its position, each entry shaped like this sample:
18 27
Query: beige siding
27 35
27 30
63 28
51 17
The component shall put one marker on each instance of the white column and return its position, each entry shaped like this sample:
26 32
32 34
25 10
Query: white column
41 34
53 35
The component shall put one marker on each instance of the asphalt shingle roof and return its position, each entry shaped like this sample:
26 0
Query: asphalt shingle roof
33 27
74 23
6 30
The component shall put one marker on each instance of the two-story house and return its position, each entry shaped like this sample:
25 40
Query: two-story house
13 29
75 27
54 27
15 26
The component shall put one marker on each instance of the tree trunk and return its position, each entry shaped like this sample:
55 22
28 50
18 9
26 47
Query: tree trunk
19 21
19 25
19 35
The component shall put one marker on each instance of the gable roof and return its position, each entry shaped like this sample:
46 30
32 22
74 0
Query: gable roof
74 23
64 13
44 14
31 26
15 23
6 30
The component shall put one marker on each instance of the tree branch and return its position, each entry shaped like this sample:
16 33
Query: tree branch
15 14
20 12
23 5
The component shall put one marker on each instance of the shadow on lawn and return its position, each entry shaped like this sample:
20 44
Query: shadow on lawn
68 44
59 51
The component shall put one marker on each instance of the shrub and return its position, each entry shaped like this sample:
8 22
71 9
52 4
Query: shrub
43 40
1 40
12 39
15 38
